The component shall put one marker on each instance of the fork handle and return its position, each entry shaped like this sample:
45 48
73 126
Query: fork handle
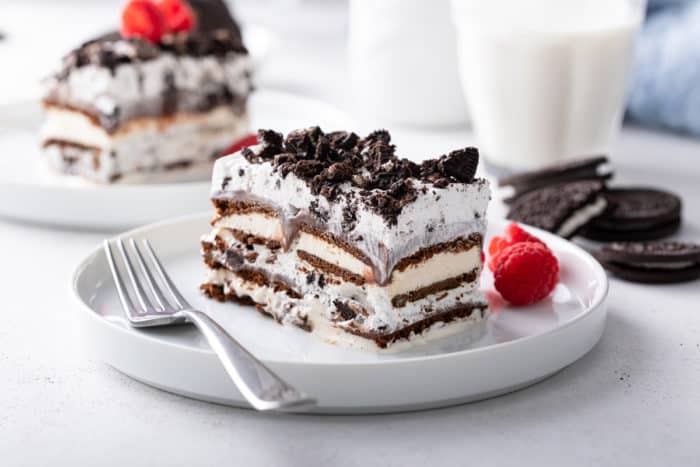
261 387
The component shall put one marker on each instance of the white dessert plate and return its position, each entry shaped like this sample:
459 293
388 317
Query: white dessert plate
517 348
29 193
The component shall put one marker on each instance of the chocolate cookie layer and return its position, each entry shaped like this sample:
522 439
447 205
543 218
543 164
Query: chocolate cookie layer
652 262
590 168
562 209
637 213
651 252
654 233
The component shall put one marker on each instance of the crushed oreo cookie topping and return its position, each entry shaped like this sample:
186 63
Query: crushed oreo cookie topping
111 50
327 160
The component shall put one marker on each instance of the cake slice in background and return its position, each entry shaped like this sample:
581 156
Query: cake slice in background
336 235
165 95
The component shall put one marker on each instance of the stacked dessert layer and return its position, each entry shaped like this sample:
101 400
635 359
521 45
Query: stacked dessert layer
121 107
337 235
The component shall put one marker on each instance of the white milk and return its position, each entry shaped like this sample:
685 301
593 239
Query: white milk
403 63
545 79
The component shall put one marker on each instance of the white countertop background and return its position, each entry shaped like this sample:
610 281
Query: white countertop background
634 400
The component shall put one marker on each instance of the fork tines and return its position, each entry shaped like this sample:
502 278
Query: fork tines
144 298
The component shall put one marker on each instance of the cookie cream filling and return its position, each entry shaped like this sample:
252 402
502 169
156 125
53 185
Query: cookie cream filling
582 216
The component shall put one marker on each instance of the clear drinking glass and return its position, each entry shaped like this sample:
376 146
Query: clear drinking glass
545 80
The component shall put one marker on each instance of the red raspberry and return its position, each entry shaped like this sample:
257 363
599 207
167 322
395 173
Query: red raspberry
178 15
526 273
142 18
496 245
515 234
511 235
248 140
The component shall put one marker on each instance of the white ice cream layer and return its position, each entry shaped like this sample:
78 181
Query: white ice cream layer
437 268
260 225
332 254
67 125
143 145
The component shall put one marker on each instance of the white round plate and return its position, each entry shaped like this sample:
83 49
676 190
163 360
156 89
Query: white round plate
519 346
30 194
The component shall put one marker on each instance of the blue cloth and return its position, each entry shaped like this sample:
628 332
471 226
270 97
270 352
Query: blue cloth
665 88
656 4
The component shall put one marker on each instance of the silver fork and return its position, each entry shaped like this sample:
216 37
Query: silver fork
262 388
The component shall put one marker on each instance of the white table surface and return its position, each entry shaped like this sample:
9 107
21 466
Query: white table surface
633 400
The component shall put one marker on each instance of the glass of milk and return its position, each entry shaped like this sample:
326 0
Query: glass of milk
403 63
545 80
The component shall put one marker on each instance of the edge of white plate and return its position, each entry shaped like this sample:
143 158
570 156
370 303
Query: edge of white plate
357 410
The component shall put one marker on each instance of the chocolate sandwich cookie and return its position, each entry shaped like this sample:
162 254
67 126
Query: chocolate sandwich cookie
590 168
652 262
562 209
636 214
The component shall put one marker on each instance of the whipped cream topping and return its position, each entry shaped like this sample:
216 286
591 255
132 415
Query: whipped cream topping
436 215
137 89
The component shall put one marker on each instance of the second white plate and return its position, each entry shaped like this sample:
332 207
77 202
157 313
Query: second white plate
28 193
519 347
